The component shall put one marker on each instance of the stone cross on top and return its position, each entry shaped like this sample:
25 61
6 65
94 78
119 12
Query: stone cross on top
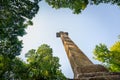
79 61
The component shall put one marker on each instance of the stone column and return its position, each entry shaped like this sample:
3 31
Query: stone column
79 61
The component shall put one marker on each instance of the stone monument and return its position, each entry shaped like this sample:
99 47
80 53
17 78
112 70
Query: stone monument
82 67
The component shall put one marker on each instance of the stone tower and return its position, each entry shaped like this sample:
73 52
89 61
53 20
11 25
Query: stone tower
80 63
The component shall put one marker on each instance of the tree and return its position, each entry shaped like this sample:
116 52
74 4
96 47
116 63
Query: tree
114 2
43 65
15 16
78 5
14 69
19 69
110 58
4 66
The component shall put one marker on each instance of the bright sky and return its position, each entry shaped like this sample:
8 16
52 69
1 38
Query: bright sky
96 24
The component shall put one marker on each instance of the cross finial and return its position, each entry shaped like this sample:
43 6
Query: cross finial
58 34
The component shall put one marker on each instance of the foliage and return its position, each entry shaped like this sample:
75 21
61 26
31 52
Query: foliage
75 5
20 69
4 66
15 16
115 2
14 69
78 5
111 58
43 65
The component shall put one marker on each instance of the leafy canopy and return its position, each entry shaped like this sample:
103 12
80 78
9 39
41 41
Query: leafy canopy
78 5
43 65
15 16
110 57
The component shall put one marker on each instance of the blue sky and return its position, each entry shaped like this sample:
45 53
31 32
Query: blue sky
96 24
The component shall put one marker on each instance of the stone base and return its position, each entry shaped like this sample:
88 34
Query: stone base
99 76
91 68
95 72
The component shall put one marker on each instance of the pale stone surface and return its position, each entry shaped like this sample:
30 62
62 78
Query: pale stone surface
82 67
